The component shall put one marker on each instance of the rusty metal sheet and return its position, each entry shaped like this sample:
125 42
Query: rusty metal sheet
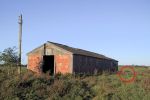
62 63
34 63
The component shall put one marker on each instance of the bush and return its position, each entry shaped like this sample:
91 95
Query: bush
69 87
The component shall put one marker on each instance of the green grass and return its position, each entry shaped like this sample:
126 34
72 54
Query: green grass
30 86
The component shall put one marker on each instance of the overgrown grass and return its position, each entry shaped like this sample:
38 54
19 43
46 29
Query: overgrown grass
30 86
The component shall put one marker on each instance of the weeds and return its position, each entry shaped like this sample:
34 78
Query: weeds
71 87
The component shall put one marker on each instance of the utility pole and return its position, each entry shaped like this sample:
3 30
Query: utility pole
19 44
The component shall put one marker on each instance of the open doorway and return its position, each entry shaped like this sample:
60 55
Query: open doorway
48 64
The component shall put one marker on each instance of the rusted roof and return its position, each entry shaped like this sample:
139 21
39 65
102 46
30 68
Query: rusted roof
81 51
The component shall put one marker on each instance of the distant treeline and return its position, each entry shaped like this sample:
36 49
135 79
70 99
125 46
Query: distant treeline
144 66
5 65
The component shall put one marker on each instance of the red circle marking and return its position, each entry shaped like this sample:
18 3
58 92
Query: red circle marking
122 72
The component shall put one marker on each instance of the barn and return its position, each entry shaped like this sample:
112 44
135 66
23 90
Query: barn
58 58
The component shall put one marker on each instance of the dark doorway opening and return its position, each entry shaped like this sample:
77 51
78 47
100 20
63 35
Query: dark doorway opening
48 64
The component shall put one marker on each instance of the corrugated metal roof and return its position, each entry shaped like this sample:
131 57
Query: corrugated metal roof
81 51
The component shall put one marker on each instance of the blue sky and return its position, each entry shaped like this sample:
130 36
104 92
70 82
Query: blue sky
116 28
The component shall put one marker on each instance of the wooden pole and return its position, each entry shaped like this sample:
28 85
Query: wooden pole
19 44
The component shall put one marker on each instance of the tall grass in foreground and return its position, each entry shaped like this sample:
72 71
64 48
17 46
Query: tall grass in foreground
31 86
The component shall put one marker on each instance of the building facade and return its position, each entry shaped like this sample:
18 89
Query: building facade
58 58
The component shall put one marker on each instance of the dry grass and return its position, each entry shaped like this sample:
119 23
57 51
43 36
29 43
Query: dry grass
68 87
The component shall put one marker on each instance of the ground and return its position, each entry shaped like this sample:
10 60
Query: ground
30 86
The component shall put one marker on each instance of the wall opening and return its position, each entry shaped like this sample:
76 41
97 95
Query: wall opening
48 64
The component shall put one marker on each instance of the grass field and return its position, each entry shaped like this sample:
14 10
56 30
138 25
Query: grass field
30 86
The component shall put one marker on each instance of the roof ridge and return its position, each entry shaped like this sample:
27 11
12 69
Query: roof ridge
81 51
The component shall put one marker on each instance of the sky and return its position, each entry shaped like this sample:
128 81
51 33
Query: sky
119 29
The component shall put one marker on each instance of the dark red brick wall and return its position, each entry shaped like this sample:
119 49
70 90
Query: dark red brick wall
86 64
